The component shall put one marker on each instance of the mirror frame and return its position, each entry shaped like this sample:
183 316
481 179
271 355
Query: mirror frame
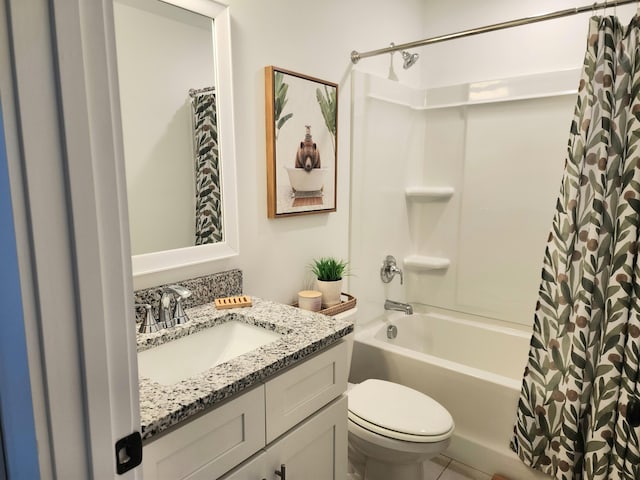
154 262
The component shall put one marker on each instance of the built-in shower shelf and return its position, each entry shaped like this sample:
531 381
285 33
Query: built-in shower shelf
421 262
429 193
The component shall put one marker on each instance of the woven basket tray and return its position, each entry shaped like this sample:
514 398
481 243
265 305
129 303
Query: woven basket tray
341 307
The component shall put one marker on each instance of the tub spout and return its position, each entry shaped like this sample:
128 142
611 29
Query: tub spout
399 306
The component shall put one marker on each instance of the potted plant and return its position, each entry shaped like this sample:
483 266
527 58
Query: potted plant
329 272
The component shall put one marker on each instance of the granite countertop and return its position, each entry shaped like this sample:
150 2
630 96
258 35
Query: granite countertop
303 333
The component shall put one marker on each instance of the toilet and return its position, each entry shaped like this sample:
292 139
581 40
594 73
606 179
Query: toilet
393 429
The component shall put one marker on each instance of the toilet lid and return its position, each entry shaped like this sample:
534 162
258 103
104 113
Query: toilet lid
390 407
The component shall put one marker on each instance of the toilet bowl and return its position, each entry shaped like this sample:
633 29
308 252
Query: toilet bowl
393 429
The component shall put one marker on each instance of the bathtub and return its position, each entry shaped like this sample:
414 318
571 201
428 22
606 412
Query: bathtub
304 182
471 367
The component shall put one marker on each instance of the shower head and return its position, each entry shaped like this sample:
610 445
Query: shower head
409 59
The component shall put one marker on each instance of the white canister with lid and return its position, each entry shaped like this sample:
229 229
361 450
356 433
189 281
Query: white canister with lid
310 300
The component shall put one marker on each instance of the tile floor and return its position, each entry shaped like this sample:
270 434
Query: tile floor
443 468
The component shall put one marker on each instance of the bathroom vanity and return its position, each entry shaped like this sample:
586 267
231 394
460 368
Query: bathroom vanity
281 404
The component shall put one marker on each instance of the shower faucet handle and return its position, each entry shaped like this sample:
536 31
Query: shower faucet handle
390 269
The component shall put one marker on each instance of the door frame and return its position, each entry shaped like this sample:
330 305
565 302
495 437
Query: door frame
59 83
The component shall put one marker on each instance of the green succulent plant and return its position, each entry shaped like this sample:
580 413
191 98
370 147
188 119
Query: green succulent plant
329 269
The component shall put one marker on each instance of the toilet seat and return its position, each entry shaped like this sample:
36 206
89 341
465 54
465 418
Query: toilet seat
398 412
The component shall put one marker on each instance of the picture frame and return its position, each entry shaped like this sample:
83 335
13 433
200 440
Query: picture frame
302 138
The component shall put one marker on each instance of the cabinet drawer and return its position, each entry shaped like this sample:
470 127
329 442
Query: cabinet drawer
297 393
211 444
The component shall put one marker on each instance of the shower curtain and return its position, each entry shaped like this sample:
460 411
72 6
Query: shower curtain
579 402
208 196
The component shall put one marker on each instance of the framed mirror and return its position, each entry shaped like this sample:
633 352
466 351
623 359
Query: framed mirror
176 96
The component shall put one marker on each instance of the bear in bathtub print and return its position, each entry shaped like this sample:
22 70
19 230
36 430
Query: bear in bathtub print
308 155
306 178
305 120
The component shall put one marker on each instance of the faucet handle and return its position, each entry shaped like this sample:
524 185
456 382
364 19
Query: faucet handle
149 324
179 315
167 319
390 269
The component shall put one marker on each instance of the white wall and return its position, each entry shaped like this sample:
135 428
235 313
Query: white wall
541 47
313 38
316 38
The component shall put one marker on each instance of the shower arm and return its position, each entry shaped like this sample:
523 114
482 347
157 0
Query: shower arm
357 56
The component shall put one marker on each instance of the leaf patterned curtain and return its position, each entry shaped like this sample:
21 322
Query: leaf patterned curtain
208 191
580 389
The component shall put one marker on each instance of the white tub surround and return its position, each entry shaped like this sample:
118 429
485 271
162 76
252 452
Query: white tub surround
302 333
444 199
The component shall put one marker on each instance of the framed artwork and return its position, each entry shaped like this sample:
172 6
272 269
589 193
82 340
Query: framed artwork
302 136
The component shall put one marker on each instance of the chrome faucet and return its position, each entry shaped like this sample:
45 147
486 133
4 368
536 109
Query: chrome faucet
179 316
389 270
398 306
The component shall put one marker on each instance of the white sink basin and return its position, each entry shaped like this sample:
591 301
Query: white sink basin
185 357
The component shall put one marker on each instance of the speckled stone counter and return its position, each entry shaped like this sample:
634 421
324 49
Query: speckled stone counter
303 333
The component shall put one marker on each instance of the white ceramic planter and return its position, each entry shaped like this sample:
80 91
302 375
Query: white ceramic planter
330 292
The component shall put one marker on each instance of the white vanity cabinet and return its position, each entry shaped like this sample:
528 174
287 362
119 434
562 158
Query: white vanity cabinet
314 450
297 418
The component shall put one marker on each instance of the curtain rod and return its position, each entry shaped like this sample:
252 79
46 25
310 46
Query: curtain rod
357 56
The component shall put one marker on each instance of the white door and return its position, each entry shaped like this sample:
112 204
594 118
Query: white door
59 93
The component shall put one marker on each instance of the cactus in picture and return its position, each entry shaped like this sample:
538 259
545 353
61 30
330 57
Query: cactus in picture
328 104
280 92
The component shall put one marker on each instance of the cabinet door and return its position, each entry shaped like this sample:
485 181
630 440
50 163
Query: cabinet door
303 389
314 450
211 444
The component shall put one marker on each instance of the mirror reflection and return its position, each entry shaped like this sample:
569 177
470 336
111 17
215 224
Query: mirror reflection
166 69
